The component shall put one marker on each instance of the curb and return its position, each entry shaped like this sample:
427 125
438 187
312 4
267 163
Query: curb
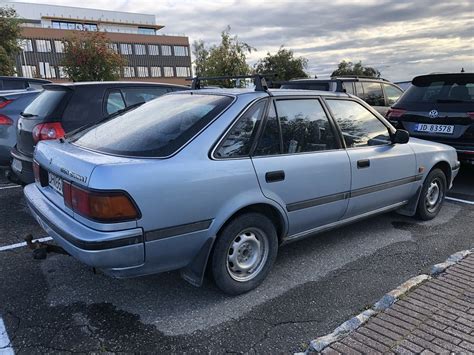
319 344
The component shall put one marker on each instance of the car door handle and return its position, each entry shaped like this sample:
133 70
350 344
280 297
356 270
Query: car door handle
274 176
364 163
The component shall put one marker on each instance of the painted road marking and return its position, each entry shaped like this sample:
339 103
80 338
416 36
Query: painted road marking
9 187
459 200
5 348
19 245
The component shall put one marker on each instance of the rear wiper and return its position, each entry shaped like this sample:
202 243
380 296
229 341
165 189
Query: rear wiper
453 100
24 114
115 114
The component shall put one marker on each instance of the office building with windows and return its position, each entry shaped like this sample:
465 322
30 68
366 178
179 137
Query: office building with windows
149 55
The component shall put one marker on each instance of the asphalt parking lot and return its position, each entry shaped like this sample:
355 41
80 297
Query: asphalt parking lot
60 305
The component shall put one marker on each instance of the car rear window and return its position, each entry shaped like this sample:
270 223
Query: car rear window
306 86
451 89
156 129
45 103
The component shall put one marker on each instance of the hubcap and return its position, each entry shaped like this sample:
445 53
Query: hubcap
434 195
247 254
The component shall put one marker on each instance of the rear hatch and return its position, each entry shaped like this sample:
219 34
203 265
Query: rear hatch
438 107
47 107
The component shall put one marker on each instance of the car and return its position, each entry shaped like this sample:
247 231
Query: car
62 108
218 179
377 92
11 105
11 83
439 108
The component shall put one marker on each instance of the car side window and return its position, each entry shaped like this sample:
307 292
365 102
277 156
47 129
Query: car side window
304 126
392 93
240 138
348 87
270 140
114 102
136 95
359 126
373 94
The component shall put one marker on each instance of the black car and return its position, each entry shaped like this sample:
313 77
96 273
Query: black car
62 108
440 108
378 93
8 83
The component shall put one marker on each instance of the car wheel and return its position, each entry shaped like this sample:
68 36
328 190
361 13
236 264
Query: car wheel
432 195
244 253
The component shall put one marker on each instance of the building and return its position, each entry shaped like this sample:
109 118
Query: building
150 56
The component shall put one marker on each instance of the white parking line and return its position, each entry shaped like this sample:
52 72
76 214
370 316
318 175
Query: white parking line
9 187
5 348
19 245
459 200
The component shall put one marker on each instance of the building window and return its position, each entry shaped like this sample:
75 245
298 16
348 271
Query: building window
181 51
113 47
155 72
46 70
26 45
153 49
183 71
128 72
168 71
63 25
43 45
59 46
62 72
125 48
142 72
146 31
140 49
166 50
29 71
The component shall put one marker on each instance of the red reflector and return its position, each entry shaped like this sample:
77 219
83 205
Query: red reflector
5 103
36 170
47 131
395 113
5 121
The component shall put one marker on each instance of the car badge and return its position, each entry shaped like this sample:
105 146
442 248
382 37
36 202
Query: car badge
433 114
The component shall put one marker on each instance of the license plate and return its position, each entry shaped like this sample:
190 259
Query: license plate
55 182
435 128
17 166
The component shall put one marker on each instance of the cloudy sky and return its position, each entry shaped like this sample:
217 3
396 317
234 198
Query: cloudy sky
400 38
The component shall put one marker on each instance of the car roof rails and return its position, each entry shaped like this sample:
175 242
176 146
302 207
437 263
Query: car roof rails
356 77
259 80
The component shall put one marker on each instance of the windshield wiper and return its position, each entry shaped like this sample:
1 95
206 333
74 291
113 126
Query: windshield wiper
28 114
106 118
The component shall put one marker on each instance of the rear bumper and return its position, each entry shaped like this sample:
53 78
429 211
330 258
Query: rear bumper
105 250
25 174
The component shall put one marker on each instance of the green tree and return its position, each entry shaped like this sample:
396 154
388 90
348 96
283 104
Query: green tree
349 68
227 58
10 33
283 64
88 56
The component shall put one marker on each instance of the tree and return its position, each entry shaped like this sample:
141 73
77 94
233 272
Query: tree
227 58
283 64
10 33
348 68
88 56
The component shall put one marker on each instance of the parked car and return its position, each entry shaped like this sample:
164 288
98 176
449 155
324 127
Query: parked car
379 93
220 178
10 83
440 108
11 105
62 108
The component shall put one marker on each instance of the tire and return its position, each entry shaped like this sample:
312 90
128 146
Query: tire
244 253
432 195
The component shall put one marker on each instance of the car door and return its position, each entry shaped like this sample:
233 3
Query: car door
383 174
300 164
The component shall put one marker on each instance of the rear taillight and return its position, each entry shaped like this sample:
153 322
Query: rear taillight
47 131
36 170
395 113
5 121
4 103
101 206
471 115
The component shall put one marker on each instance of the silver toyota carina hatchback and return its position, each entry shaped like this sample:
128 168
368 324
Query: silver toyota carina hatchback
219 178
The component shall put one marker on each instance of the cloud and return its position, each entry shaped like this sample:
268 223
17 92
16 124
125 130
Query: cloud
400 38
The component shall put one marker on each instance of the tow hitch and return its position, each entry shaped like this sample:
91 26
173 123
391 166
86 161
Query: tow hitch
41 249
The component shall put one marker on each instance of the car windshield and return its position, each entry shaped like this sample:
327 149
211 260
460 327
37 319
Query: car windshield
156 129
452 89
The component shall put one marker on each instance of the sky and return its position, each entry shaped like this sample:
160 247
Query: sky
400 38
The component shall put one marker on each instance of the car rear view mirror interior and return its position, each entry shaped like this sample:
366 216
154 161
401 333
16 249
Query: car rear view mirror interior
400 136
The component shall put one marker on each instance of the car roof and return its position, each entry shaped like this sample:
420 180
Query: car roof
270 92
337 78
114 84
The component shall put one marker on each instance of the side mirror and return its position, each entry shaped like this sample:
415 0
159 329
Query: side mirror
400 136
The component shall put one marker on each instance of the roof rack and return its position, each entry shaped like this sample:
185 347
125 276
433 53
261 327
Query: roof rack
259 80
356 77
